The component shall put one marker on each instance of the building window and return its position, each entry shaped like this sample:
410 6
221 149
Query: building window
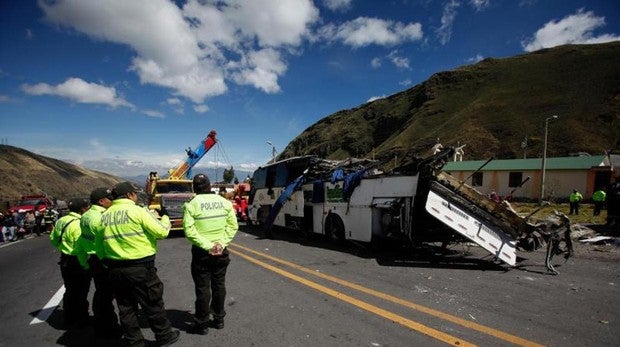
515 179
476 179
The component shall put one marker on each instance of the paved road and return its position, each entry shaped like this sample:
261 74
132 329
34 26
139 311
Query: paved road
291 291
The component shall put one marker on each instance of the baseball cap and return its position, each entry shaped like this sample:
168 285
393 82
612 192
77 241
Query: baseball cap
100 193
124 188
76 204
201 179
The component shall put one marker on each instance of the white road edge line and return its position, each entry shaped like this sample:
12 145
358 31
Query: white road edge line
51 305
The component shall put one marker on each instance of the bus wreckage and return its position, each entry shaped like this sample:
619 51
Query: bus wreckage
415 203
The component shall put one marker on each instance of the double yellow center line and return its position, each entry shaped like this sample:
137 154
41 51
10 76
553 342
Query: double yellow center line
434 333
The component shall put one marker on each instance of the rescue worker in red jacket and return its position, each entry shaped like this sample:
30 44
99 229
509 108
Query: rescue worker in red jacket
77 279
210 224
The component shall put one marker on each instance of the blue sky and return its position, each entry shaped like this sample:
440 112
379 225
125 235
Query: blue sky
125 86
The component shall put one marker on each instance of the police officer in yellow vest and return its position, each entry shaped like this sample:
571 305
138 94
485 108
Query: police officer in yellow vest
210 224
126 240
76 279
573 200
105 319
598 198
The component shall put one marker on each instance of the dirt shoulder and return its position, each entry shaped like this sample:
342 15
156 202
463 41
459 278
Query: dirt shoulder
595 241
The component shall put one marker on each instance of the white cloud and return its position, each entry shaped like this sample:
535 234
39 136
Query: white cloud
124 161
475 59
173 101
273 22
154 113
375 63
5 99
577 28
480 5
374 98
176 104
202 108
195 49
444 32
337 5
29 34
80 91
261 70
365 31
248 167
405 83
399 61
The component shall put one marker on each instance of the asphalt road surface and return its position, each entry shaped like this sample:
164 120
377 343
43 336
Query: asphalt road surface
293 291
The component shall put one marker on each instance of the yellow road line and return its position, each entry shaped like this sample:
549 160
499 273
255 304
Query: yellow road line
361 304
463 322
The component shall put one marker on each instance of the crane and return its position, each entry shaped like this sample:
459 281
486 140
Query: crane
184 170
172 192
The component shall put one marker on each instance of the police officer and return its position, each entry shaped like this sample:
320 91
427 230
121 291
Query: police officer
126 240
105 319
210 224
574 199
599 200
77 280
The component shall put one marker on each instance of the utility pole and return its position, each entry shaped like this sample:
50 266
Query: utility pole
544 159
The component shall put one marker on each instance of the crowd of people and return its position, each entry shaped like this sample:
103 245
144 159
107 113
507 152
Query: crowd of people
112 240
20 223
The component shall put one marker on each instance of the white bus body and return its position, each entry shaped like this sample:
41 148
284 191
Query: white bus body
414 207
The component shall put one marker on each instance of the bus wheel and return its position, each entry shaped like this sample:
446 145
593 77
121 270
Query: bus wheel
260 217
334 228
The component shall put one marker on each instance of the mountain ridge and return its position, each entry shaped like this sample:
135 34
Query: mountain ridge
490 107
27 173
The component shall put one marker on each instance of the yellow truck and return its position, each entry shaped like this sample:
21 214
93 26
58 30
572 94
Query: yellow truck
172 192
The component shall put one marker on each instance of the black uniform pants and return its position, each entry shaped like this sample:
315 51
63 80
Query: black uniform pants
598 206
77 285
574 207
105 319
209 274
137 283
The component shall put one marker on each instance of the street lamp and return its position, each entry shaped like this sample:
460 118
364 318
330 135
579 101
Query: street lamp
544 159
273 151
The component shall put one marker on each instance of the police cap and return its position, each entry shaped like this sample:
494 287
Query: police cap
123 188
100 193
201 179
77 204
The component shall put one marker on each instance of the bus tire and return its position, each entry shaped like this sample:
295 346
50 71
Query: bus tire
334 228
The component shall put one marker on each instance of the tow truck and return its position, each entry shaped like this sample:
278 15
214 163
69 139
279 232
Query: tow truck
172 192
415 203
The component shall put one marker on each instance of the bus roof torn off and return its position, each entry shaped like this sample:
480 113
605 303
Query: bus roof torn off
415 203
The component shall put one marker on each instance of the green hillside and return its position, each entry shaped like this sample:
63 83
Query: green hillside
490 107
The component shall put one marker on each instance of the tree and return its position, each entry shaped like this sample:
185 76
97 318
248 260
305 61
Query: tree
228 175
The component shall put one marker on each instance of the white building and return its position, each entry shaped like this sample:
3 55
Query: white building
562 175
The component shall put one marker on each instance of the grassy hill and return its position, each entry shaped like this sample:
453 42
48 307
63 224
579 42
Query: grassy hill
25 173
490 107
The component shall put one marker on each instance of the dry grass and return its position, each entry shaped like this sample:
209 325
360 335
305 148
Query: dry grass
584 217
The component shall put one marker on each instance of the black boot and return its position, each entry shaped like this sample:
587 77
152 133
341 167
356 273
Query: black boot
216 324
198 329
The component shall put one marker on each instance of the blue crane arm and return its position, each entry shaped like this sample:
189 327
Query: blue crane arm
184 170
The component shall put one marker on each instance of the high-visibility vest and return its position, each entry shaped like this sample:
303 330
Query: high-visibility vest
128 231
575 197
599 195
209 218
